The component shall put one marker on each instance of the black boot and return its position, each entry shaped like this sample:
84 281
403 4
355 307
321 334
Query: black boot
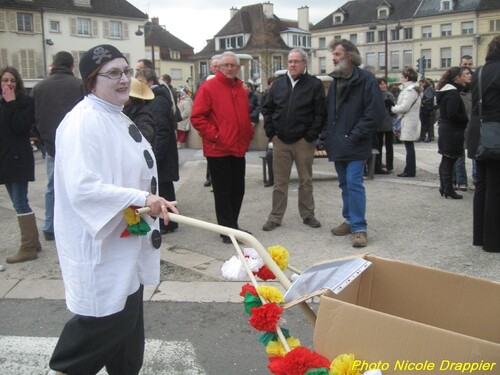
445 171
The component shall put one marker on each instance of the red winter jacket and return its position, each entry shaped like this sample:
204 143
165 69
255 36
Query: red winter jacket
220 114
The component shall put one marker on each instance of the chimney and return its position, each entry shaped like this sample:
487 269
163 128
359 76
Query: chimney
155 21
303 15
232 12
268 9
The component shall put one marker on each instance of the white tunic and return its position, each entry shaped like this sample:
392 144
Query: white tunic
99 171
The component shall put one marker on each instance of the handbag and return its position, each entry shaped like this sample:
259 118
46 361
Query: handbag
396 126
489 132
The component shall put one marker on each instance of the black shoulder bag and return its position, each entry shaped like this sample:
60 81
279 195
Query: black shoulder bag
489 140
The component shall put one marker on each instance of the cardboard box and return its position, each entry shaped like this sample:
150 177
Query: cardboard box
407 319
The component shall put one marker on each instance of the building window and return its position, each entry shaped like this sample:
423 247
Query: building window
337 38
427 54
395 60
337 19
175 55
408 33
83 26
322 65
25 22
495 25
394 34
115 29
55 26
353 38
381 60
382 13
381 36
408 59
231 42
467 28
370 59
322 42
370 37
466 50
445 5
176 74
277 63
446 29
203 69
445 57
426 31
255 69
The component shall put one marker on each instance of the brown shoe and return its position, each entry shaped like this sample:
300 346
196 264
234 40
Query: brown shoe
342 230
359 239
270 225
312 222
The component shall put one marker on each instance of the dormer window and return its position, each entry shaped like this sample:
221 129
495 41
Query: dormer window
383 13
338 18
230 42
446 5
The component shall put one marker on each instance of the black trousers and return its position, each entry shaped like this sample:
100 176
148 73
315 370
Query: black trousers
486 206
228 183
385 139
87 344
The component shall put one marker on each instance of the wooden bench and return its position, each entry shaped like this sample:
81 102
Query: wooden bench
320 154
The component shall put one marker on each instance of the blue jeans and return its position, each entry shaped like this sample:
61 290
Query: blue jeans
353 193
459 172
18 192
49 196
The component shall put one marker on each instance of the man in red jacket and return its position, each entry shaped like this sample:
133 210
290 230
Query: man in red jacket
220 115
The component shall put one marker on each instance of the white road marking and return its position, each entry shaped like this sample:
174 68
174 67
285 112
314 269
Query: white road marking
30 356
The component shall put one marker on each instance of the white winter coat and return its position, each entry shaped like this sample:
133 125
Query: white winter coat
99 171
408 106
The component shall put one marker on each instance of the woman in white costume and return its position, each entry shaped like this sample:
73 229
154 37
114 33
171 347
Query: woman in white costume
103 166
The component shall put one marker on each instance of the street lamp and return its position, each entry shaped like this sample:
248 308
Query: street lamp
385 22
149 28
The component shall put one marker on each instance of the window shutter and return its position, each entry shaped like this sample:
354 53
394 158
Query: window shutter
72 25
125 31
3 57
3 22
95 29
76 59
13 22
105 29
31 64
37 19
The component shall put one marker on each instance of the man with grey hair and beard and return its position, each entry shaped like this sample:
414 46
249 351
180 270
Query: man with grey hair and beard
355 108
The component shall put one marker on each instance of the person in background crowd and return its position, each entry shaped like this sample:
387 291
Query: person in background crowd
486 205
185 104
220 114
384 133
55 96
460 180
355 108
254 103
17 163
214 68
427 111
294 115
408 106
103 166
135 108
269 150
165 148
452 122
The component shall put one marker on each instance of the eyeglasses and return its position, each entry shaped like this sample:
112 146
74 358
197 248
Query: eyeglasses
225 66
7 80
117 73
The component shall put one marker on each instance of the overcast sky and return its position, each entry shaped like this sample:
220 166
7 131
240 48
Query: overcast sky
195 21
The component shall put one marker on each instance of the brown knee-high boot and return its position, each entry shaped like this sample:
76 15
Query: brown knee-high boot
29 240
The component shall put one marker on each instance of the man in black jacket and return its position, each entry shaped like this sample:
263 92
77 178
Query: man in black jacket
294 113
55 96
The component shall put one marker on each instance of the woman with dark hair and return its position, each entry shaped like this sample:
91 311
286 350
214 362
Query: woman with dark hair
452 122
17 164
408 108
384 132
486 207
136 110
427 111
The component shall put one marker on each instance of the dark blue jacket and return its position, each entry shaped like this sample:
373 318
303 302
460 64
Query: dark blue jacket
349 129
295 113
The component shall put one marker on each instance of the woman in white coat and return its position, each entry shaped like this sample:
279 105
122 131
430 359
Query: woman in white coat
103 166
408 107
185 104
